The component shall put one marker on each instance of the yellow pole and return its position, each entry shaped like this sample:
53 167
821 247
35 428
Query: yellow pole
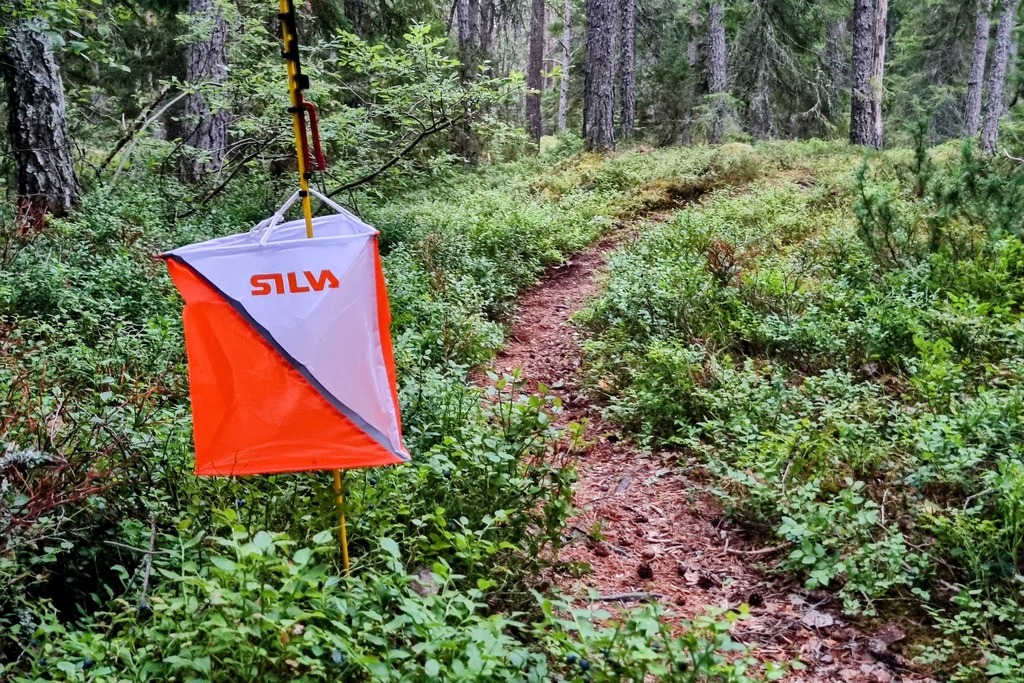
339 493
291 55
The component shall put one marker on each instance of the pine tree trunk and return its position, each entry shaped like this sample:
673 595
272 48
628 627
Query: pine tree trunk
878 72
462 22
599 80
997 77
37 125
465 139
761 118
474 30
563 86
627 70
206 61
861 122
976 78
534 84
355 12
837 67
718 60
486 28
692 60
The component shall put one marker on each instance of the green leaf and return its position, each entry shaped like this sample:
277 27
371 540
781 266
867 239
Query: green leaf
302 556
263 540
390 547
223 563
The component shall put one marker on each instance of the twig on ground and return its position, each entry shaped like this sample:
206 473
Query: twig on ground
759 551
628 597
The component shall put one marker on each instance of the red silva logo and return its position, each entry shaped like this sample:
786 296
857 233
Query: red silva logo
289 283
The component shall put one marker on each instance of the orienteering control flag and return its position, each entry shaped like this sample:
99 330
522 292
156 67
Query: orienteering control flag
289 350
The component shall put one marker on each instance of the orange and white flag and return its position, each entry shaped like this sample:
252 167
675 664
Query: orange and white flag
289 350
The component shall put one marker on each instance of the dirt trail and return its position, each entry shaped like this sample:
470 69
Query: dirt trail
664 535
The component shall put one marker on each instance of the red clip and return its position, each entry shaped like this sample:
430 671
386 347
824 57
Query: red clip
318 162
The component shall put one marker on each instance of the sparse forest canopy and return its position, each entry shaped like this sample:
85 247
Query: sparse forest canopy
813 311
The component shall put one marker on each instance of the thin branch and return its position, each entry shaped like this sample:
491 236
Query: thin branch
140 121
200 201
143 127
436 128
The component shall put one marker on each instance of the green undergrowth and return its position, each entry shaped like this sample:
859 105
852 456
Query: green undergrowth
842 355
244 581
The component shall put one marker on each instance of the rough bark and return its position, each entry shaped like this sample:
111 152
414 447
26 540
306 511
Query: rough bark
878 72
486 28
474 29
627 68
465 139
599 80
997 77
205 132
837 67
37 125
761 119
462 27
534 84
355 12
563 86
693 60
718 64
861 122
976 77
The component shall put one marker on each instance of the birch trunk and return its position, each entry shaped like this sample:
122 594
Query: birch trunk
599 80
627 71
37 125
861 122
997 77
976 78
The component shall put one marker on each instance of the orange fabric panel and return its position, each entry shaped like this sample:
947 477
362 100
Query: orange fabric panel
384 326
253 413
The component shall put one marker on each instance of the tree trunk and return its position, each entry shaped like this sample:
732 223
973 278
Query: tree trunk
976 78
627 70
692 60
599 81
465 139
474 30
761 115
206 61
997 77
837 67
462 21
563 86
718 60
534 85
37 125
486 28
861 122
878 72
355 12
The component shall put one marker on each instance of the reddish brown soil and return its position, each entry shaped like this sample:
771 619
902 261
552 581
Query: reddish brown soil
663 535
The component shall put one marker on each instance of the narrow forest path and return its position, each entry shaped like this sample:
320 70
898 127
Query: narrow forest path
663 534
